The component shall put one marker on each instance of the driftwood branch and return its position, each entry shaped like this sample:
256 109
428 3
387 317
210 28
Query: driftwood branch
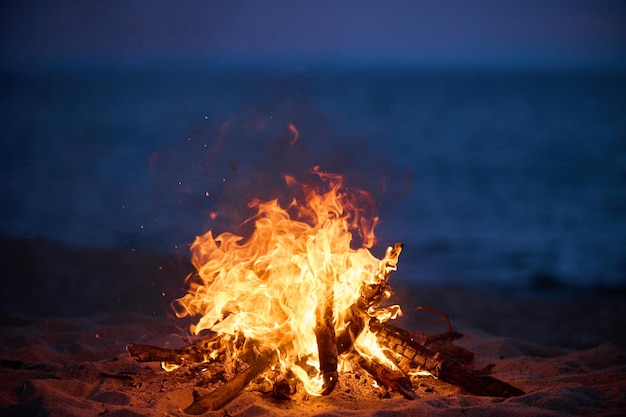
441 366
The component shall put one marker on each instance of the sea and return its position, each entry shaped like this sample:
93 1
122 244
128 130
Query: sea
489 178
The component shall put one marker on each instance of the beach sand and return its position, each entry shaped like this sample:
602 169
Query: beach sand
67 315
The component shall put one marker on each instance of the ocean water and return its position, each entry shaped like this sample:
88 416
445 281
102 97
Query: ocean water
488 179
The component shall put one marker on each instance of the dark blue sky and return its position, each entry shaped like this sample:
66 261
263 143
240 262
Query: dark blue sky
479 33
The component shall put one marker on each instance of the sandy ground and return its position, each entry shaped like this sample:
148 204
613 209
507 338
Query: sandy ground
67 315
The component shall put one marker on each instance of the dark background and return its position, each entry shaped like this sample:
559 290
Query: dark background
491 132
415 34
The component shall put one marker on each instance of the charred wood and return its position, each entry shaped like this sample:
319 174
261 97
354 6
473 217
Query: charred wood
147 353
392 379
231 389
284 389
441 366
442 343
327 341
198 352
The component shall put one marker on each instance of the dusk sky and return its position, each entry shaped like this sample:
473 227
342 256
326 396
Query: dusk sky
481 33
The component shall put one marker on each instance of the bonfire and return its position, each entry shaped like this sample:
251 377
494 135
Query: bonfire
302 301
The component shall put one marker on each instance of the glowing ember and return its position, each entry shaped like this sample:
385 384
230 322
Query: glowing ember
295 274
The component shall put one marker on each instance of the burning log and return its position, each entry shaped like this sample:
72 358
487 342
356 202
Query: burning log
372 295
356 318
231 389
329 345
442 343
390 378
203 350
326 339
198 352
148 353
441 366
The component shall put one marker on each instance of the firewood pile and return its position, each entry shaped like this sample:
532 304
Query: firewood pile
234 362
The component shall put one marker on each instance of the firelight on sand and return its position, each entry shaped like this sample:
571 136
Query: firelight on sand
289 287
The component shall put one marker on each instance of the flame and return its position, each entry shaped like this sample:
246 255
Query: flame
270 287
295 132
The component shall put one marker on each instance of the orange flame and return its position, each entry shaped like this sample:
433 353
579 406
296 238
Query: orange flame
268 287
296 134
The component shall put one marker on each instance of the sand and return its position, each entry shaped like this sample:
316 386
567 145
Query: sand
65 324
